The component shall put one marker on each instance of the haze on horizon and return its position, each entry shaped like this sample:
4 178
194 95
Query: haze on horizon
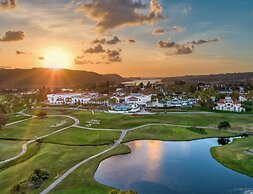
128 37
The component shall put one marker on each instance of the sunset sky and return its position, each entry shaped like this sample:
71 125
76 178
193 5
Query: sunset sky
128 37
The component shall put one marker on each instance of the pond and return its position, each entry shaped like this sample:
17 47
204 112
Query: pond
157 167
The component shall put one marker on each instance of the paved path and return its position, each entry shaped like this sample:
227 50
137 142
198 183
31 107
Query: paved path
16 122
24 146
59 180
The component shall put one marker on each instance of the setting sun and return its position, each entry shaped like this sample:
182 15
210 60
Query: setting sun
57 58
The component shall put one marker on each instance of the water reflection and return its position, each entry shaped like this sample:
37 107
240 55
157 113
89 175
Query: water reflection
156 167
223 140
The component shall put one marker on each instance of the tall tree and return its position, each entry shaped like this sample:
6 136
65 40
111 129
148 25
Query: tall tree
3 120
250 96
42 94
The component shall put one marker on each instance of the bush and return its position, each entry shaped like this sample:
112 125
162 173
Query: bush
224 125
196 130
42 114
34 182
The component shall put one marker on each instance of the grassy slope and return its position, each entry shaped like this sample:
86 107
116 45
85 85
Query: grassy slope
56 159
9 148
234 155
77 136
82 181
172 133
34 127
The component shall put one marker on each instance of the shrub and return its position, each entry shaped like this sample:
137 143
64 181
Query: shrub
34 182
224 125
42 114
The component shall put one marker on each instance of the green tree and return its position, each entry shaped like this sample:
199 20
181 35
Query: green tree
141 85
224 125
3 109
3 120
250 96
235 95
149 85
42 94
180 83
42 114
113 101
205 97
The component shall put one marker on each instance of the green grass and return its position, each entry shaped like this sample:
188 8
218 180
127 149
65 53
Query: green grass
119 121
56 159
9 148
82 180
235 157
48 111
16 117
77 136
33 127
31 151
167 133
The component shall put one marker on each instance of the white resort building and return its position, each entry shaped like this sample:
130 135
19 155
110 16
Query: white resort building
76 98
138 99
228 104
61 98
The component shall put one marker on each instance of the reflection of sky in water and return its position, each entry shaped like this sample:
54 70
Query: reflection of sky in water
171 167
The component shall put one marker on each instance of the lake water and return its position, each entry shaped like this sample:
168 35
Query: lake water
157 167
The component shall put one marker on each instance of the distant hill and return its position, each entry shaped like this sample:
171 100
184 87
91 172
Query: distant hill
37 77
228 78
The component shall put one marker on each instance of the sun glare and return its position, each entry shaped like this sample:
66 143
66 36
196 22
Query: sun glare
57 58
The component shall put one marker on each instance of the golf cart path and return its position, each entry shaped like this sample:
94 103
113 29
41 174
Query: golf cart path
24 146
16 122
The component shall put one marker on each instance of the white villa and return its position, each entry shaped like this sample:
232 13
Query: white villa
135 99
228 104
138 99
76 98
62 98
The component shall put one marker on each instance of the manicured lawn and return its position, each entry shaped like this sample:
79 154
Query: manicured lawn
48 111
82 180
33 127
31 151
16 117
167 133
77 136
9 148
55 159
234 155
119 121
